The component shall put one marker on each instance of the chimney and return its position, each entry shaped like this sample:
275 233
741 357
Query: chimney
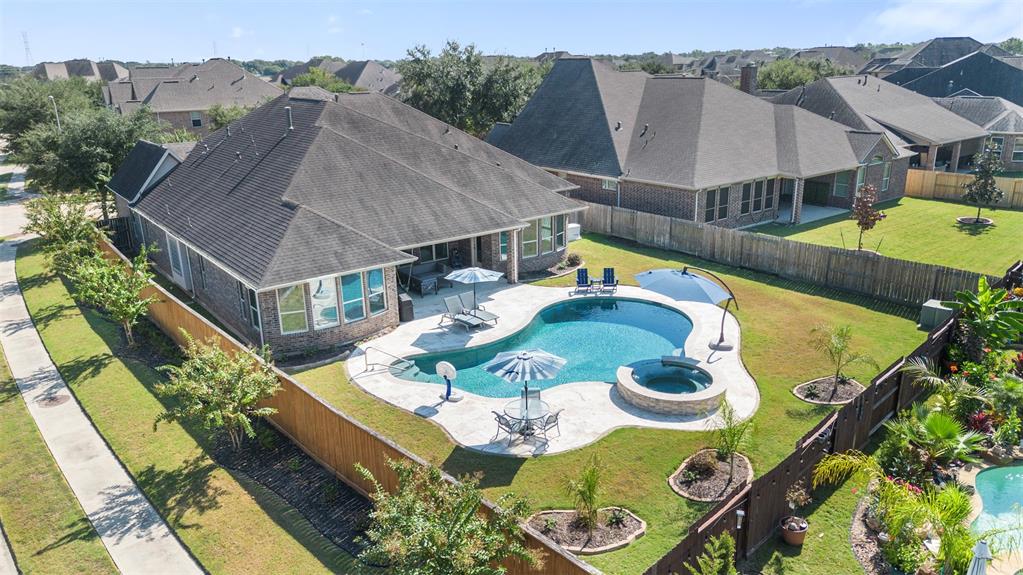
748 79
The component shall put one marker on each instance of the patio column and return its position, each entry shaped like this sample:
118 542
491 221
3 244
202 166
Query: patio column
797 201
956 150
473 256
512 272
932 157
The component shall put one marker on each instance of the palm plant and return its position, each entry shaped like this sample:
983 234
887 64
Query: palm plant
585 493
989 314
733 435
937 436
956 396
836 344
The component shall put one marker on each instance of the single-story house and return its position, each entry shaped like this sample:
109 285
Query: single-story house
182 95
979 73
911 121
1002 119
297 225
693 148
104 71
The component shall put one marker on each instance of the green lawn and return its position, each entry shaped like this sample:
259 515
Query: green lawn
776 316
924 231
230 524
47 529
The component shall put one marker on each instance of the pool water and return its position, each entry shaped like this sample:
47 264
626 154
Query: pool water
595 335
1001 491
653 375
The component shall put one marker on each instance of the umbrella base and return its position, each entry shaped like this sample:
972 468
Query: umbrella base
455 397
721 346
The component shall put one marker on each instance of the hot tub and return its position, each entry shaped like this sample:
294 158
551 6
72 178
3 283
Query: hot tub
670 385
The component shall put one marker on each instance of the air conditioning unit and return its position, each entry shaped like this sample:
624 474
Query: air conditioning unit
932 314
574 232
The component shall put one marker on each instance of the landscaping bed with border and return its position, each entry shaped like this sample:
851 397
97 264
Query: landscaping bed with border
811 391
566 530
718 484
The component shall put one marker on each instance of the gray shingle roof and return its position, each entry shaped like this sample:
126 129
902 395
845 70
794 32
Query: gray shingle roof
838 55
686 132
136 169
979 72
106 70
371 76
876 104
996 115
355 181
190 87
329 65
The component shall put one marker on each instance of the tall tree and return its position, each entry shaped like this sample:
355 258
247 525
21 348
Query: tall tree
25 103
221 115
984 190
323 79
786 74
1014 45
459 87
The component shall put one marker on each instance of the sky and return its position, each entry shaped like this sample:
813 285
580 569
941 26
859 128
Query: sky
176 30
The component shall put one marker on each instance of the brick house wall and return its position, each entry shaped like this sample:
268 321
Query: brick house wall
183 121
218 292
1007 142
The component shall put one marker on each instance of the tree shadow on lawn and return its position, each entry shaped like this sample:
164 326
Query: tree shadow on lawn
182 490
80 529
974 230
497 471
805 288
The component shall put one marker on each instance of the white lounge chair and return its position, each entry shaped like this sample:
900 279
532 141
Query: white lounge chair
457 314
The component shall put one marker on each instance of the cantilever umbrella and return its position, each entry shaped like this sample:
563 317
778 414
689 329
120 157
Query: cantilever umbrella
684 285
525 366
473 276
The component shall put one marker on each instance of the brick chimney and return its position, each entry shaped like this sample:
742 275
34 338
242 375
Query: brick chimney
748 79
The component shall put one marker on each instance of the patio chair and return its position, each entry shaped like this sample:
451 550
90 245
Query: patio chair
582 280
610 281
457 315
531 398
478 311
507 425
551 422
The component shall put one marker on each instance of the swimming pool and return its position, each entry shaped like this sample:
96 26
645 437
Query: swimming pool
595 335
1001 491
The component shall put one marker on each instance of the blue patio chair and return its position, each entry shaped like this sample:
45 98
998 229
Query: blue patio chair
610 282
582 280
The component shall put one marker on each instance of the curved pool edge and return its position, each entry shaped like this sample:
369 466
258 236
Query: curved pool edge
517 306
704 402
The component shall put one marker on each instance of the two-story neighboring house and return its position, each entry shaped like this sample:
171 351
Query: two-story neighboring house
296 226
694 148
182 95
1002 119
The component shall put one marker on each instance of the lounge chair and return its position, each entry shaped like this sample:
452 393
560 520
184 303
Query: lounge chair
478 311
551 422
456 314
582 280
610 282
507 425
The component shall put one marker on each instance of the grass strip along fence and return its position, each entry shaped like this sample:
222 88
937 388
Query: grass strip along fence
889 279
329 436
762 503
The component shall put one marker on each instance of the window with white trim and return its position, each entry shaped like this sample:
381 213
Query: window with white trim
609 185
249 304
861 175
769 195
376 298
196 118
351 297
529 240
996 143
291 309
842 185
503 245
747 198
716 206
323 301
886 177
758 195
434 253
546 235
1017 150
560 222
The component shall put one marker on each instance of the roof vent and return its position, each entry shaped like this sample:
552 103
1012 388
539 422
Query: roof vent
229 130
194 77
645 128
618 126
831 116
291 124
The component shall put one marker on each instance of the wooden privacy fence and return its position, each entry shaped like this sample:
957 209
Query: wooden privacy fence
762 502
334 439
889 279
949 186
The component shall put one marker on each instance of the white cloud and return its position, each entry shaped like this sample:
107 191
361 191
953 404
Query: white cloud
365 11
985 20
238 32
334 30
331 19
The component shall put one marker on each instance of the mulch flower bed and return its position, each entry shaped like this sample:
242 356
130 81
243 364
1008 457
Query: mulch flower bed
704 477
565 529
865 545
972 221
824 391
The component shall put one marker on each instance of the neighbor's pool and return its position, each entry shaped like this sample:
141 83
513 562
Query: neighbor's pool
1001 490
595 335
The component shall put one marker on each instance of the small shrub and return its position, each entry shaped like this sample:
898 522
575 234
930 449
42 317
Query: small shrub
703 463
718 557
266 437
573 259
688 475
549 524
1008 433
585 491
616 518
732 436
901 460
981 422
904 556
330 492
294 464
797 496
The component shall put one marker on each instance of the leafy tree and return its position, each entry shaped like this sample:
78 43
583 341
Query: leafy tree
786 74
62 221
983 190
1014 45
431 526
718 557
89 148
733 435
864 212
224 391
115 287
836 344
989 315
323 79
656 67
585 492
25 103
459 88
221 115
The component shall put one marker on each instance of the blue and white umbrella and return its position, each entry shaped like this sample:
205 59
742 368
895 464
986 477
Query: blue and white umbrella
981 555
525 366
473 276
684 285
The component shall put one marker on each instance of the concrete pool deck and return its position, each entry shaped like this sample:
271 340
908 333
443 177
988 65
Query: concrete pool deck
1005 563
591 409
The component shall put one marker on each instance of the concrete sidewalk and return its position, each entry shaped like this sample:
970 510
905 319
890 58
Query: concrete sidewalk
13 208
135 535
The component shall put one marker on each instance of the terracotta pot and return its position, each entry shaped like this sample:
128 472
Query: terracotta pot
794 536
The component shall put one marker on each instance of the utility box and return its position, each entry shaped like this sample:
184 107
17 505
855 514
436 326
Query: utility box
574 232
405 311
932 314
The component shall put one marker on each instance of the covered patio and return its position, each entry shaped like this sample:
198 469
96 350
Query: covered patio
591 409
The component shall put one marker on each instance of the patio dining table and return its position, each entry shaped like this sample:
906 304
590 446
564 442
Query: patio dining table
516 410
